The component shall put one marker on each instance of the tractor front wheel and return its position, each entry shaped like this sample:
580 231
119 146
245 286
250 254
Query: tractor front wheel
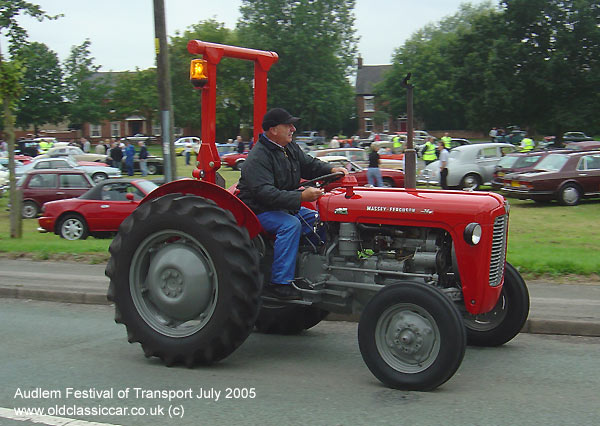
184 279
411 337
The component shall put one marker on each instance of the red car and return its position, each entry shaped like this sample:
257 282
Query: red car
41 186
234 160
98 212
391 178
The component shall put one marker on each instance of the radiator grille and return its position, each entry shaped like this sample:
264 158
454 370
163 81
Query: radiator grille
498 250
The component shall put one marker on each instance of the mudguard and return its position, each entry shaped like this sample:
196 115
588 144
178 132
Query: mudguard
224 199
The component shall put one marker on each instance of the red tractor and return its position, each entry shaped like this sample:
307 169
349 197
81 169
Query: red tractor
425 269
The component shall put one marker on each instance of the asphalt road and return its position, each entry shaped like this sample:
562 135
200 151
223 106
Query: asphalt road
317 378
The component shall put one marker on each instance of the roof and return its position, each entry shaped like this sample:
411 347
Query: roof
367 76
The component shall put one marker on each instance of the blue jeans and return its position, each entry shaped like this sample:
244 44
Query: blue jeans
287 229
374 176
144 167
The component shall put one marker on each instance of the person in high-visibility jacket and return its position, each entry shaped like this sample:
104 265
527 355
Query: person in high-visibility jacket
397 145
527 144
447 141
429 155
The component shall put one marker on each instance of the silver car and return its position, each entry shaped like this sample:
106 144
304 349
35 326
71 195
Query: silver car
469 166
97 173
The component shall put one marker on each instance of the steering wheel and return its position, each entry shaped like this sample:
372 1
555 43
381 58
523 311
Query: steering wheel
325 179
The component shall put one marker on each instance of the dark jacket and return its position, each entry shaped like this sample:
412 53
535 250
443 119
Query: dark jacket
116 153
271 174
143 152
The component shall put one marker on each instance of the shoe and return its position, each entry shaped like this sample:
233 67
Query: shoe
282 292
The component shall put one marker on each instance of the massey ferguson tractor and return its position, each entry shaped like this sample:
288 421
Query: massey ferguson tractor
425 269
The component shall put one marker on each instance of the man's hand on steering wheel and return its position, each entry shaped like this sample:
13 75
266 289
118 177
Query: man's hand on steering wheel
340 169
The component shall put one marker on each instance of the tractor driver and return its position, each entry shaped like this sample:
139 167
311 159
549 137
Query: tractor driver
268 185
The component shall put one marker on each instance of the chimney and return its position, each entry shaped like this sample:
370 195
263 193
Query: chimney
360 62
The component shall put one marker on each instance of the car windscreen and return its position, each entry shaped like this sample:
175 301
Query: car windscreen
507 162
147 186
526 161
552 162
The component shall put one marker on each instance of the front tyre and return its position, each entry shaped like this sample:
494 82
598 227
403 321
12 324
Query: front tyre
185 281
411 337
506 320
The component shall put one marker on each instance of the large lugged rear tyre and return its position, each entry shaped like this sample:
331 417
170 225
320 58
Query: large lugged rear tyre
411 337
275 318
504 322
185 281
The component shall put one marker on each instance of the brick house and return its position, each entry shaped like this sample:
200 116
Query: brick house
366 101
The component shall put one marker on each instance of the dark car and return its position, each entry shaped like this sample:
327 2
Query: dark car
517 162
155 164
566 176
576 137
98 212
41 186
27 147
583 146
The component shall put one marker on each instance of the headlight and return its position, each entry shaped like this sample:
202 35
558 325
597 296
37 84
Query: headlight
472 233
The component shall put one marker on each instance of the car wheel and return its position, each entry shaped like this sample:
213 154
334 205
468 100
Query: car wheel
239 164
30 209
99 177
388 182
152 169
73 227
471 182
569 195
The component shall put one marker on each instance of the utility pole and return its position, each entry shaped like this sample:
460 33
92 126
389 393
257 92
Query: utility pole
164 89
410 155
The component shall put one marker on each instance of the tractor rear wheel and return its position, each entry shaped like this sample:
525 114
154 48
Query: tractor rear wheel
184 279
275 318
411 336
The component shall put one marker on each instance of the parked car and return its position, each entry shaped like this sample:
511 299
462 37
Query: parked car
97 173
576 137
181 143
391 178
97 212
358 156
3 179
310 137
75 152
226 148
469 166
563 176
517 162
583 146
234 160
40 186
155 164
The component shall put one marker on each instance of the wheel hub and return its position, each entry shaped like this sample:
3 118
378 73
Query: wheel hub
410 337
179 282
570 195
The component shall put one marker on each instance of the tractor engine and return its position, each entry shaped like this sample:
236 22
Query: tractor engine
363 257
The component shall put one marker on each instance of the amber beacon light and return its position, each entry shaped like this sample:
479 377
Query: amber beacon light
198 73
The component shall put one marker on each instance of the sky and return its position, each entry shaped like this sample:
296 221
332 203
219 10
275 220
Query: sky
122 31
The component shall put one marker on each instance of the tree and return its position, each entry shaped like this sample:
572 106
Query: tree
11 73
234 77
42 99
316 44
135 93
85 89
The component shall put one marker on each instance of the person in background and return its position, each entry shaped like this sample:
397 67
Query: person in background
241 146
143 157
129 154
447 141
444 155
334 143
85 144
493 134
429 153
373 172
101 148
116 155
